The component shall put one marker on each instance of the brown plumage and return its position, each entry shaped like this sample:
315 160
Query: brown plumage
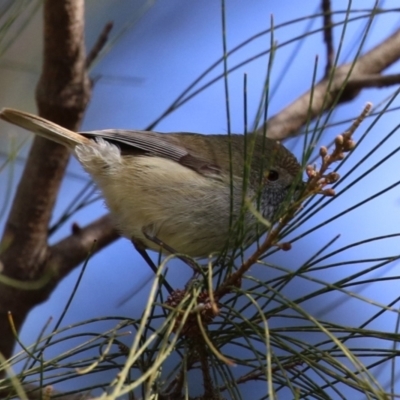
177 187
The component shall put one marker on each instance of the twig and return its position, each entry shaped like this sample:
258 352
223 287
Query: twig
328 37
73 250
289 120
205 369
100 43
317 181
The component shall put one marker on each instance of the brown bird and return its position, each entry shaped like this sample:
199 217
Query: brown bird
186 190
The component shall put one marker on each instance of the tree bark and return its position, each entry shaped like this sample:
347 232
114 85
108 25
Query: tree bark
62 95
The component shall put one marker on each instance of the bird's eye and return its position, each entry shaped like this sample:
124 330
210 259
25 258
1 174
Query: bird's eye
273 175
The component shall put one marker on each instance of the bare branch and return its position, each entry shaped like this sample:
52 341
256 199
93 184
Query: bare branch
101 41
328 36
374 80
289 121
73 250
62 95
63 91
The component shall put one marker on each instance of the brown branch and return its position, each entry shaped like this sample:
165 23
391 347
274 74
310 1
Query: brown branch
73 250
374 81
100 43
289 121
208 385
328 36
62 94
233 279
63 91
61 259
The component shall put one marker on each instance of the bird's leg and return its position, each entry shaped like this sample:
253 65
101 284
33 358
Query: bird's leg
141 249
164 246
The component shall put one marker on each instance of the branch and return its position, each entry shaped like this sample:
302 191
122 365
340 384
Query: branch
289 121
62 94
328 36
73 250
374 81
100 43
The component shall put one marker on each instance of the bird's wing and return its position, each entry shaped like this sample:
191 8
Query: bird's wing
157 144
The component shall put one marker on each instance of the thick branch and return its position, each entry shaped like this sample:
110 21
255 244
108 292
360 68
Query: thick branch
62 95
374 81
63 90
289 121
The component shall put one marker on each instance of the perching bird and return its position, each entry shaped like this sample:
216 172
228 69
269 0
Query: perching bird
185 190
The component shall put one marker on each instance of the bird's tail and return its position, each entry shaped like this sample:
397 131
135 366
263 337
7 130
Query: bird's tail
43 127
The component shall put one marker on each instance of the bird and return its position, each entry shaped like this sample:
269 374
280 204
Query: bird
183 192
